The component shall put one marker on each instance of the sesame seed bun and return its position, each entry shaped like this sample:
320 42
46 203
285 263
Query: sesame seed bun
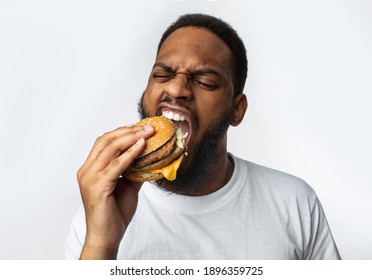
161 151
164 131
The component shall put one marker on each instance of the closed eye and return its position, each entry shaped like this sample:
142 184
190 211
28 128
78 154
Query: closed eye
202 83
163 77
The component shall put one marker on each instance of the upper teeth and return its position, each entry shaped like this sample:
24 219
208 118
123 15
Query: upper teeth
173 116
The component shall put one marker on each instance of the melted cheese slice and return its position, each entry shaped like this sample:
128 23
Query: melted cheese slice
170 171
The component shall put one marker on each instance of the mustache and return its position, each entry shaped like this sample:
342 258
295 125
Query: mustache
172 101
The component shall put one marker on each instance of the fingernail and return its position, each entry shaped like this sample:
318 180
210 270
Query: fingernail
140 141
147 127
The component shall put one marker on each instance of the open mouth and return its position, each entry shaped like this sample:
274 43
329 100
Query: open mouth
180 120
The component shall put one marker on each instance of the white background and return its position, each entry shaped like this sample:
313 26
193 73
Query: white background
72 70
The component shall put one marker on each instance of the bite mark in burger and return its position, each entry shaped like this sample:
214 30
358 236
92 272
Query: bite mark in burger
163 153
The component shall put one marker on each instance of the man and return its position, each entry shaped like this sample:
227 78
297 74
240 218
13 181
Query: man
219 206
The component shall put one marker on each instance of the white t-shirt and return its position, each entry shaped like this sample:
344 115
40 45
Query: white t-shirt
260 214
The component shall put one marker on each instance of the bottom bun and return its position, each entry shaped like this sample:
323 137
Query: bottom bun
169 172
142 176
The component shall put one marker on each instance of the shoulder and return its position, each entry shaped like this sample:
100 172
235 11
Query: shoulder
270 182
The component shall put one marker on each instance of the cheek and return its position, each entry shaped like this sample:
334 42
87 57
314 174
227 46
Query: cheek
211 107
149 102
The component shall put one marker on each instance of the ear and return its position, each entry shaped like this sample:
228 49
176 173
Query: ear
240 106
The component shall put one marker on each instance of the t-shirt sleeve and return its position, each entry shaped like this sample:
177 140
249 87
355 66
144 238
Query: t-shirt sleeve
321 245
76 236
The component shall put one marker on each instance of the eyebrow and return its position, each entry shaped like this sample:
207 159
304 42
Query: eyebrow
201 71
164 66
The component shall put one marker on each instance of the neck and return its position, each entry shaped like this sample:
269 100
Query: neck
219 174
206 170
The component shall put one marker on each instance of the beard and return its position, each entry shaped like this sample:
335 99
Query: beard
191 179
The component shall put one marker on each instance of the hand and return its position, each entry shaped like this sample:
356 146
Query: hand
109 200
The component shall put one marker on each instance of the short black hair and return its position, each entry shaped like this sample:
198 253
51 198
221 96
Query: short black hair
225 32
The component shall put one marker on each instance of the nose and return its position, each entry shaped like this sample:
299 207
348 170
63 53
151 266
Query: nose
179 87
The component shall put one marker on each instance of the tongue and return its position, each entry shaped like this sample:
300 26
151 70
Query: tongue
185 128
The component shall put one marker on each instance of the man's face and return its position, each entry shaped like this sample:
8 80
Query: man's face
191 81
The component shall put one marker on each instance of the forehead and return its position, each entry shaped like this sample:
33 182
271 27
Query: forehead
193 47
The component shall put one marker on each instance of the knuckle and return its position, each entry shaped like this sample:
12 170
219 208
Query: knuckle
86 183
104 137
85 178
110 142
82 181
78 175
99 139
106 171
116 162
98 156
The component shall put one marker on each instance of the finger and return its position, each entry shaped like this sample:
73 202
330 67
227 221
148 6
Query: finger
99 145
113 144
107 137
122 162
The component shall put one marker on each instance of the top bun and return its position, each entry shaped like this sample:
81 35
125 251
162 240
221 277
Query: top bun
166 128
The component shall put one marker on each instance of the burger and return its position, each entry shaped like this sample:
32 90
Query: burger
163 153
